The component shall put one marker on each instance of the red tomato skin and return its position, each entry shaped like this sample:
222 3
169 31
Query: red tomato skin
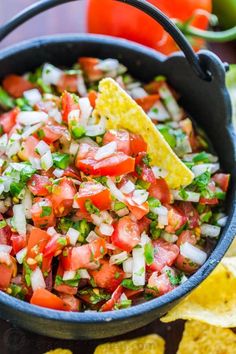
139 211
39 185
37 213
160 190
28 148
121 137
15 85
52 133
159 284
71 303
8 120
147 102
6 275
145 173
88 65
62 197
191 213
5 234
99 195
186 236
106 277
165 254
18 242
206 201
126 234
44 298
176 219
68 104
68 83
92 96
137 144
53 246
37 238
109 305
186 265
144 224
222 180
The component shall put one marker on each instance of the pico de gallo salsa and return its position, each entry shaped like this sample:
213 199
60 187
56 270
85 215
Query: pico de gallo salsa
87 222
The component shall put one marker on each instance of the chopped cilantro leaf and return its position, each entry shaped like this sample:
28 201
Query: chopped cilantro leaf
183 194
46 211
91 209
128 283
149 253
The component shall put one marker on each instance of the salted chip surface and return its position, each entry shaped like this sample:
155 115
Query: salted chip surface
213 302
201 338
59 351
150 344
122 112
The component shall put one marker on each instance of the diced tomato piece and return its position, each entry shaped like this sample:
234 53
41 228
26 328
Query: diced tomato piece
159 284
71 303
8 120
71 172
15 85
68 104
107 276
133 293
126 234
144 224
84 256
39 185
28 149
6 275
42 213
160 190
142 170
184 264
5 233
44 298
37 242
121 137
47 264
64 288
52 133
18 242
186 236
115 165
109 305
176 219
153 87
88 65
92 96
165 253
137 144
139 211
68 83
54 245
208 201
99 195
191 213
222 180
147 102
62 196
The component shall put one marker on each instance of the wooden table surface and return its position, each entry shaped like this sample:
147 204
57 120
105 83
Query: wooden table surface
71 18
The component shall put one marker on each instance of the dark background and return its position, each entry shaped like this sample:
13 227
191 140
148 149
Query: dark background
65 19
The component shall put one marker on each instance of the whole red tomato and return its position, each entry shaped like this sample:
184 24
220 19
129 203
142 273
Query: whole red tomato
121 20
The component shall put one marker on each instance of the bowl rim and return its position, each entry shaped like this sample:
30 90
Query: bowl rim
181 291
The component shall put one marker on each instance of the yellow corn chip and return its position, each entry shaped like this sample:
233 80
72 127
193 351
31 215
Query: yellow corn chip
122 111
150 344
59 351
201 338
213 302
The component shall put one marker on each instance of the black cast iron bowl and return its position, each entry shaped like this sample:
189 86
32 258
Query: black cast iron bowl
206 100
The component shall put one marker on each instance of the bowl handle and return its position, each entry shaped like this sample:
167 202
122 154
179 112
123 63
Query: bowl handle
143 5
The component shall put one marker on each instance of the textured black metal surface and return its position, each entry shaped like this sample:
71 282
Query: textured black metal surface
207 102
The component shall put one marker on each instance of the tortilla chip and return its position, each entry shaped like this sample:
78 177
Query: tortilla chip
232 250
150 344
201 338
59 351
213 302
123 112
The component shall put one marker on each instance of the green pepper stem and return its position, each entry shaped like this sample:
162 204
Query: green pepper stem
211 36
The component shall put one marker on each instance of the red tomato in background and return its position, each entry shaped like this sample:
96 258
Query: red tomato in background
8 120
119 20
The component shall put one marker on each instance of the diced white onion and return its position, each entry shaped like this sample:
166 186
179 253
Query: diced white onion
193 253
73 235
122 212
106 229
51 231
115 191
210 230
81 87
144 239
42 148
58 172
201 168
51 74
169 237
35 163
190 157
92 236
37 279
19 219
127 188
110 246
159 172
33 96
31 117
5 248
47 161
140 196
106 217
27 203
74 115
161 210
85 110
118 258
138 275
55 114
3 143
163 219
158 112
106 151
97 220
84 274
69 275
13 148
89 141
190 197
1 189
108 65
128 265
123 297
138 92
96 129
21 255
74 147
222 221
170 102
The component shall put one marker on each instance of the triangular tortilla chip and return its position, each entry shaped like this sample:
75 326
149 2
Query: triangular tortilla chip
123 112
201 338
213 302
